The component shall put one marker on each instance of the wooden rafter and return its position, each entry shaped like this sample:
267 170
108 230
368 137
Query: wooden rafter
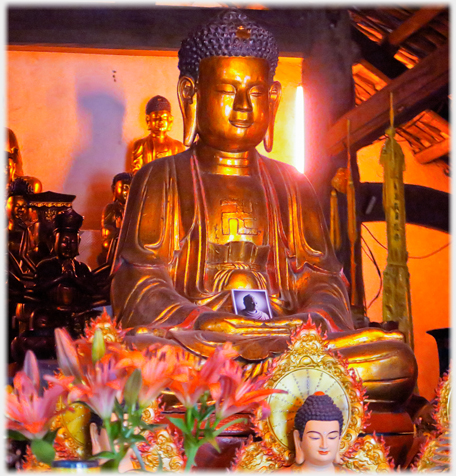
412 25
434 152
413 92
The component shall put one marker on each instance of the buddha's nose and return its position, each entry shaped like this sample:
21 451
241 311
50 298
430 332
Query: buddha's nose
242 101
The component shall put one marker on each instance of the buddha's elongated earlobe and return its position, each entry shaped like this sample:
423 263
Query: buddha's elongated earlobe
338 458
275 93
186 93
299 458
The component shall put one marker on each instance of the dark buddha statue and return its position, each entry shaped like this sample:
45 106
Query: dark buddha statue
220 216
112 217
157 144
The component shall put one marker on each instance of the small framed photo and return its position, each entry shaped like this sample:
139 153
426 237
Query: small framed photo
253 303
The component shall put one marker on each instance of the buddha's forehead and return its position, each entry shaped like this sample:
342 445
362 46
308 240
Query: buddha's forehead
322 427
234 67
160 113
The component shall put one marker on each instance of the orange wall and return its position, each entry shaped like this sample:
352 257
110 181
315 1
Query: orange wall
77 115
429 277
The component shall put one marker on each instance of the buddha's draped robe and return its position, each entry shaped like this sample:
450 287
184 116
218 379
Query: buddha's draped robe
163 276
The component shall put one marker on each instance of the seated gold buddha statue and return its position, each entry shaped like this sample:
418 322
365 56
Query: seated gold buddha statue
14 164
220 216
157 144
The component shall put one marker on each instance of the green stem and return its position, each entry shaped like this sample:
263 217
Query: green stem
138 456
190 451
107 424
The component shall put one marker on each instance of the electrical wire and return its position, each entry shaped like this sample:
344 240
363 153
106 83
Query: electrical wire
410 257
371 256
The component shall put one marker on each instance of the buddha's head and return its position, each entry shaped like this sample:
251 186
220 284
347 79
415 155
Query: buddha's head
10 167
226 90
121 186
67 237
158 116
317 433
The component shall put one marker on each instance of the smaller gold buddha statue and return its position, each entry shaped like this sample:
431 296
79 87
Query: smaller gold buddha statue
318 428
157 144
14 163
112 217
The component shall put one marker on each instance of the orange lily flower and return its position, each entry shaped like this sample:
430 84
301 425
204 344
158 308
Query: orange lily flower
158 365
192 383
236 394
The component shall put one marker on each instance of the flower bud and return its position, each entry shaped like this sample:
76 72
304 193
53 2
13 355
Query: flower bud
133 387
98 346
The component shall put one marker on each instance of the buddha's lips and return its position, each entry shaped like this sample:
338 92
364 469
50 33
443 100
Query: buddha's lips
323 452
242 124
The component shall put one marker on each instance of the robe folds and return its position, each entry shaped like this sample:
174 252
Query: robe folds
161 277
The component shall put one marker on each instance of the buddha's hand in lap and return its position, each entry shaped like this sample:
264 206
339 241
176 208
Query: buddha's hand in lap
228 323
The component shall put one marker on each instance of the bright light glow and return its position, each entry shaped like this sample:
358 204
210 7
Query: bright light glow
299 140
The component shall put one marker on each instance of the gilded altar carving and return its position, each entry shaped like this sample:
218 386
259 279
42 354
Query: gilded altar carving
435 454
309 365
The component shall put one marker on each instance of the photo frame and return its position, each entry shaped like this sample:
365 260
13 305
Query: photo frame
253 303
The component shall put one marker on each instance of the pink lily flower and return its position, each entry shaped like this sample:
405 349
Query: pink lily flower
100 387
27 412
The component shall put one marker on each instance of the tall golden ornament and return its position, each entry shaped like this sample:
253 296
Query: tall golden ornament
396 277
342 182
351 222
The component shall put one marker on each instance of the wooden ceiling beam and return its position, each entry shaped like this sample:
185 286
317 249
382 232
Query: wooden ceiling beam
413 92
410 26
434 152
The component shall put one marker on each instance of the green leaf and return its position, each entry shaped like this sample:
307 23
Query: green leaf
208 412
111 464
118 409
132 387
138 439
43 451
147 426
50 436
227 425
214 443
179 423
15 435
104 454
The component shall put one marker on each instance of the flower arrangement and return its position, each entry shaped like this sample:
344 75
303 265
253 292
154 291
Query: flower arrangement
118 384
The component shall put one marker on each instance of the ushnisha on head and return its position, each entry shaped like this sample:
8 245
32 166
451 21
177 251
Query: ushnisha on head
231 33
318 429
226 91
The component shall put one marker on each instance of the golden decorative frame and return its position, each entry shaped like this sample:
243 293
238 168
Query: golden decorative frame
435 454
308 350
443 401
164 448
368 454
